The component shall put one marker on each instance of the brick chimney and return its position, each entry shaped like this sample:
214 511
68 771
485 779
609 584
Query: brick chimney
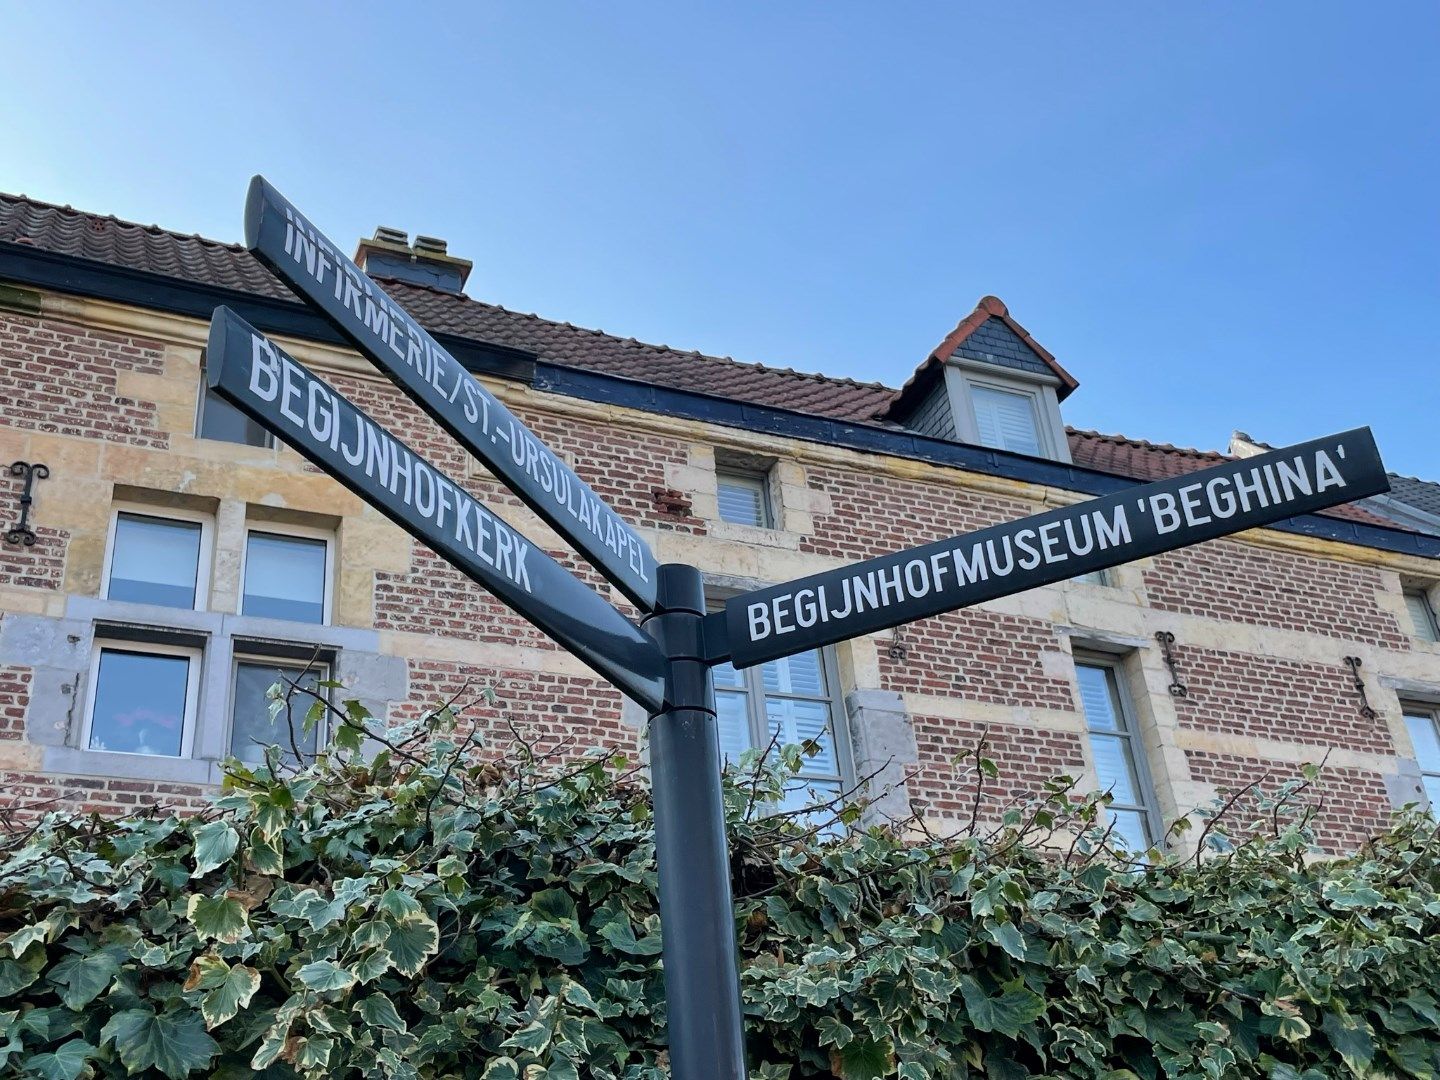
389 254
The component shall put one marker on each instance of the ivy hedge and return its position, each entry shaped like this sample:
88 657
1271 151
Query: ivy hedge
434 911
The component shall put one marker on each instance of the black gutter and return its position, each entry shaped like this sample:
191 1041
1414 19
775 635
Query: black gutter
104 281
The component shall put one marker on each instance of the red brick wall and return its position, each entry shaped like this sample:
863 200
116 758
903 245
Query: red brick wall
24 796
978 655
1276 699
1351 804
1244 583
37 566
623 466
551 712
59 378
874 515
14 699
1026 757
432 597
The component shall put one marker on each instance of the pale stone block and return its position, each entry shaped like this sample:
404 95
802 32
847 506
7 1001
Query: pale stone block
19 757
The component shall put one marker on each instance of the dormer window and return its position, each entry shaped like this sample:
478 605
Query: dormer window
989 384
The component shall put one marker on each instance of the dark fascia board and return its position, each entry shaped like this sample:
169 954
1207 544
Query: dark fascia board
25 265
63 273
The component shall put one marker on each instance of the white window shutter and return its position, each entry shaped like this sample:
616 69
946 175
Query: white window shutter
1006 421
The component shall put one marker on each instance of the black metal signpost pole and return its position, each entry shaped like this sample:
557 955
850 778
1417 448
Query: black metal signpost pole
697 916
674 681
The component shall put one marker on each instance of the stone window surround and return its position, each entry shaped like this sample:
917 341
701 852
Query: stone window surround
1430 592
352 655
1406 785
791 502
961 374
1105 651
202 398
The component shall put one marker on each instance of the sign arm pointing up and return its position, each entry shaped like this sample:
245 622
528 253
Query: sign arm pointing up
285 241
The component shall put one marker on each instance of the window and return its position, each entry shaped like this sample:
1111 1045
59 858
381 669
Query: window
1006 420
1094 577
744 498
142 699
287 576
1119 760
252 728
157 560
788 701
1422 615
217 419
1424 725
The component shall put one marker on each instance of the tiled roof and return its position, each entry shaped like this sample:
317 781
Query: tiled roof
1421 494
151 249
1158 461
155 250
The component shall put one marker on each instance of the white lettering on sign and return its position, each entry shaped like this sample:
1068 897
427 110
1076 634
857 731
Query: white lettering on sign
949 571
396 332
436 502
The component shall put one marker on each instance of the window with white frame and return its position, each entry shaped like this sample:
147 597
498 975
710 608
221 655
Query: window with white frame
792 700
254 724
1423 723
158 557
1422 615
1006 419
1119 757
217 419
744 497
287 574
142 699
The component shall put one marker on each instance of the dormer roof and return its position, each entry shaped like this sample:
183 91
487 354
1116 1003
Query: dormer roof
988 335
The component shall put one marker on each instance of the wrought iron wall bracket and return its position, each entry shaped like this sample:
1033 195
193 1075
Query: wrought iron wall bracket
21 533
1353 663
1167 648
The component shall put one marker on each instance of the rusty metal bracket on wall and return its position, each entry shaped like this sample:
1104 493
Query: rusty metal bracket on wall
21 533
1167 643
1353 663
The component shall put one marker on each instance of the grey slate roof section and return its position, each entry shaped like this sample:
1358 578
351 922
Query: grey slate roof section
1411 503
1421 494
995 343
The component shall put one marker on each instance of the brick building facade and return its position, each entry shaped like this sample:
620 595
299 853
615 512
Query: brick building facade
178 556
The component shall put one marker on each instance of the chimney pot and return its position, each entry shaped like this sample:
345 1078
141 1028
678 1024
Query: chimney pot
387 235
432 244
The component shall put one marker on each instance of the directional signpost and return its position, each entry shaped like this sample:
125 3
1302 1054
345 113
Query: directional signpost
666 663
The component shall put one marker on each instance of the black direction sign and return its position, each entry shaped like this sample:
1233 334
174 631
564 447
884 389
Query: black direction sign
304 411
384 332
1058 544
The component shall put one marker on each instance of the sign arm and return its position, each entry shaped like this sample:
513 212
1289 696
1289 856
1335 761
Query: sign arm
947 575
384 332
282 395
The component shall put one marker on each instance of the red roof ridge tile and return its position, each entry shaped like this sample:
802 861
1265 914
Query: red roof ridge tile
1145 444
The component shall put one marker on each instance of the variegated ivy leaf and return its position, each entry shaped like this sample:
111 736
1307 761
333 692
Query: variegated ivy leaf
219 917
215 842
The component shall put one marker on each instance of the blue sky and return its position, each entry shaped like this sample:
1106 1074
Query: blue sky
1216 216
